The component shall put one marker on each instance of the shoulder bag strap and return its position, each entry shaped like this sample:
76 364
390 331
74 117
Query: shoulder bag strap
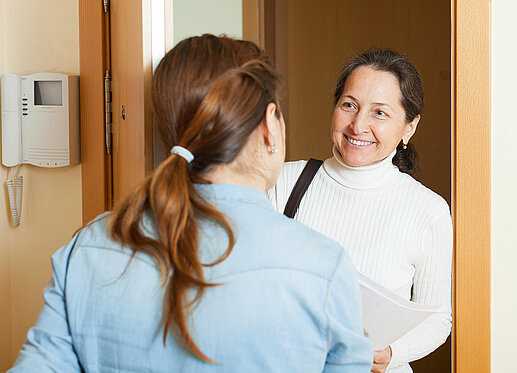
303 182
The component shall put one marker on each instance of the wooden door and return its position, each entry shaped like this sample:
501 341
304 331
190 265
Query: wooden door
114 44
131 71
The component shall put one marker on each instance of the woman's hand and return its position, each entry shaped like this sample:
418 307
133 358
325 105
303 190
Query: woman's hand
381 359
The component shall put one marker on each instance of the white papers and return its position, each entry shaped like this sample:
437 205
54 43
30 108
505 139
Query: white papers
387 316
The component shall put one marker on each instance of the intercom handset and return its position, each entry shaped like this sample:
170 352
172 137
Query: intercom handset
40 125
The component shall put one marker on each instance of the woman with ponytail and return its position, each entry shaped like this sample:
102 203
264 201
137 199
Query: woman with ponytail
396 231
195 271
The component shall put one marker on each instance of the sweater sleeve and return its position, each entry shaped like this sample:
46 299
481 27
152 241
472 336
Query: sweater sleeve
431 285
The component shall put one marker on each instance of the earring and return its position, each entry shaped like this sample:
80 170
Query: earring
404 145
272 149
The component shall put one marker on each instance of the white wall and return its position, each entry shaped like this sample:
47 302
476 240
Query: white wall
196 17
35 36
504 185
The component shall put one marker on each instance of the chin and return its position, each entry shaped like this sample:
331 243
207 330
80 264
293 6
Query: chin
355 163
352 160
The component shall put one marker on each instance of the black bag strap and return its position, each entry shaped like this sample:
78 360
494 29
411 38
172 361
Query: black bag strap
303 182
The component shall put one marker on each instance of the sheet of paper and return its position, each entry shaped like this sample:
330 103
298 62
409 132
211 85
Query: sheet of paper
387 316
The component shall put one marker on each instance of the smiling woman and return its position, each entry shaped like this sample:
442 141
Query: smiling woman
396 231
369 119
389 92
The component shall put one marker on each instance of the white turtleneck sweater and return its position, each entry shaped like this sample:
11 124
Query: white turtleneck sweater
396 231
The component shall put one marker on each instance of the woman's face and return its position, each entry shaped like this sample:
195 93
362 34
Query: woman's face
369 120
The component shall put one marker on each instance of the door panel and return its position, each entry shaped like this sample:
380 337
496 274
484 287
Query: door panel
131 67
94 164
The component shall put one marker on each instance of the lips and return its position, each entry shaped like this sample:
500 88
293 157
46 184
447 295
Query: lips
358 142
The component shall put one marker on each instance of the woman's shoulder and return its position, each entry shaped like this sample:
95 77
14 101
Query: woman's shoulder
302 247
280 192
95 239
292 170
96 233
432 202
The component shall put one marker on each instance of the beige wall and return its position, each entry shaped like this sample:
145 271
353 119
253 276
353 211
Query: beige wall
35 36
5 260
504 186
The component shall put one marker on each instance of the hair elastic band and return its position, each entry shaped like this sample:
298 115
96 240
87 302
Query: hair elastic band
182 152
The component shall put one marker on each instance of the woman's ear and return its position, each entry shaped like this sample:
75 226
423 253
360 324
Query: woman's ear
410 129
271 126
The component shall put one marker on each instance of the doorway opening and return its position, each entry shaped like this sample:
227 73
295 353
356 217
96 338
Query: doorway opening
312 40
470 76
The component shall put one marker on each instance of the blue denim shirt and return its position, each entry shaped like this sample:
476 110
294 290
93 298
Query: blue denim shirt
288 302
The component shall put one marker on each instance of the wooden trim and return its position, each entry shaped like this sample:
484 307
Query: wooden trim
258 24
251 21
471 176
147 76
268 26
94 165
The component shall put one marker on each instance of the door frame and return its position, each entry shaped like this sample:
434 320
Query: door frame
471 173
95 163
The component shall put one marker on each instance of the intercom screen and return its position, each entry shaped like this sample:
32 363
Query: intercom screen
48 93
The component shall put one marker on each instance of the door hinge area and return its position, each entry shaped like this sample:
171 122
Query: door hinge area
107 110
106 4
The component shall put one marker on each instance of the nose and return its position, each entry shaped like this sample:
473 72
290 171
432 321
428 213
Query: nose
359 124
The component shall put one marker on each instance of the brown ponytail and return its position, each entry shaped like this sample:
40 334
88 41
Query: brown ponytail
209 94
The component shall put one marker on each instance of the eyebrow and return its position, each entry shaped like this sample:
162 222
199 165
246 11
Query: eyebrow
381 104
373 103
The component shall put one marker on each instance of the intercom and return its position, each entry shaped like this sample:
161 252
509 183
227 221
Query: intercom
40 125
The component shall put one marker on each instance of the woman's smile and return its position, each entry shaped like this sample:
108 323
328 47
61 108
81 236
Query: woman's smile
358 143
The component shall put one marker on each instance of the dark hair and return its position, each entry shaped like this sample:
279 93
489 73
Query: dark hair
410 87
209 95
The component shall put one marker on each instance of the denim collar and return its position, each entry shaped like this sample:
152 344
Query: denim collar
234 193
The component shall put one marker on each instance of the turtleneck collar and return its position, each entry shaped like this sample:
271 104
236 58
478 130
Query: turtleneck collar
372 176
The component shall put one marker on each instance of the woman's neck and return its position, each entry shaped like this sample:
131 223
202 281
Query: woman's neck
372 176
230 175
